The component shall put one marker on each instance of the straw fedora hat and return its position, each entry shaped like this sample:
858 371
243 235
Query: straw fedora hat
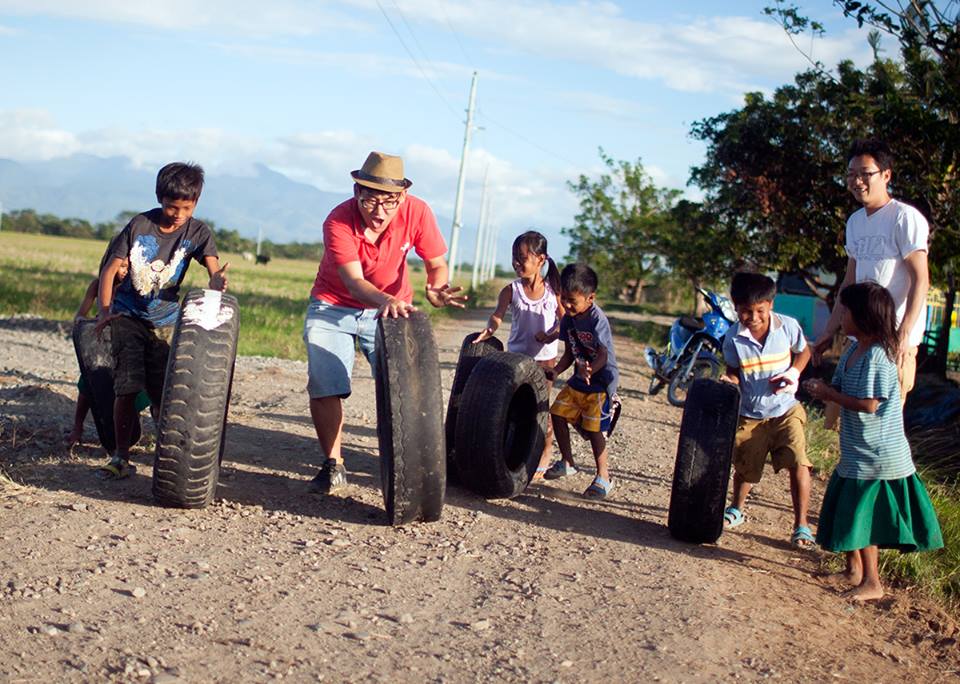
382 172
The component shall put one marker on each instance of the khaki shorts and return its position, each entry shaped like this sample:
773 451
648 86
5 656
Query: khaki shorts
906 374
781 437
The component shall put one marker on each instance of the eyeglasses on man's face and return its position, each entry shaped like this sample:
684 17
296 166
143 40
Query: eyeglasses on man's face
864 176
386 202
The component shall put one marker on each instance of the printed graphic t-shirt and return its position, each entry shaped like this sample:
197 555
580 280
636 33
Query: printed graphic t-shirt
880 242
583 336
384 263
158 263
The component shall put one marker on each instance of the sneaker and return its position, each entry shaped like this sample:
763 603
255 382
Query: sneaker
560 469
332 476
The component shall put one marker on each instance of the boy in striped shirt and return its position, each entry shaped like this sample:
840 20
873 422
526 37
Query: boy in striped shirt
765 354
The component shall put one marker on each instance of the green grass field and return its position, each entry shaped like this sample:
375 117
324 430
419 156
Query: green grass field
47 276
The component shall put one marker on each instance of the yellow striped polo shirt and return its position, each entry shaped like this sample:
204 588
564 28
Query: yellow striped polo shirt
758 363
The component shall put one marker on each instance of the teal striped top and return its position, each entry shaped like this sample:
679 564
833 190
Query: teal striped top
872 446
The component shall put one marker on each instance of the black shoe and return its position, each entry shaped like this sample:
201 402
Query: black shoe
332 476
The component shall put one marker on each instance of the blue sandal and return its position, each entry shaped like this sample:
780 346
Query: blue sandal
803 538
598 489
733 517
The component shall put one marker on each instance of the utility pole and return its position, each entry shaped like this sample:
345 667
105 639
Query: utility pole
259 239
461 182
477 250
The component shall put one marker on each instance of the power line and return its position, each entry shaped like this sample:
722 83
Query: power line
456 36
417 63
522 137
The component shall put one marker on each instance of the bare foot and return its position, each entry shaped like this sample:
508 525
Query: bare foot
840 579
866 591
73 438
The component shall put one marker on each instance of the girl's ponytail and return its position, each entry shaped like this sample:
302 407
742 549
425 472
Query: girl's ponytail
553 276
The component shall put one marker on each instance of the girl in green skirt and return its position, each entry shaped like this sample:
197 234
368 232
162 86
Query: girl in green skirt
874 498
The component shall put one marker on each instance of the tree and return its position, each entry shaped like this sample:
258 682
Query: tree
617 229
914 104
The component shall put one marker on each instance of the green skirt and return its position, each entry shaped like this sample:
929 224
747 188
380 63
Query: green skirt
891 514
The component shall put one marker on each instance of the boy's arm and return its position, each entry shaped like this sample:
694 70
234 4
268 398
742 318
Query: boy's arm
89 297
553 333
789 380
105 292
566 359
496 318
218 274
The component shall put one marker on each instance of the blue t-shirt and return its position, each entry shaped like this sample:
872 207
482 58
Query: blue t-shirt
760 362
584 335
873 446
158 264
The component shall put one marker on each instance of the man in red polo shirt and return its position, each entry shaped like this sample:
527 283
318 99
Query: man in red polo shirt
364 275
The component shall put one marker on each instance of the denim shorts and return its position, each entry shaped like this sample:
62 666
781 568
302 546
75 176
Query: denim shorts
332 335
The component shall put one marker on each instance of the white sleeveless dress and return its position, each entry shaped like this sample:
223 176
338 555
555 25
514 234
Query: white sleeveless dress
528 317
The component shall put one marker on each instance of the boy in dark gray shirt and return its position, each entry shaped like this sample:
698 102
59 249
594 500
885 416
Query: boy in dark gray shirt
159 245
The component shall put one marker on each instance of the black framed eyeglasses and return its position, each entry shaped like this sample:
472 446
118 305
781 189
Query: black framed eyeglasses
388 203
865 176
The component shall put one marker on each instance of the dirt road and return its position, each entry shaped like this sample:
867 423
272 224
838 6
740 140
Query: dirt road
97 583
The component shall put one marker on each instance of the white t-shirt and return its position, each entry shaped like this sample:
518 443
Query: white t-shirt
880 242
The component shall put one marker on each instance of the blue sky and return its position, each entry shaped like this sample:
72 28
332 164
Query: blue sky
309 88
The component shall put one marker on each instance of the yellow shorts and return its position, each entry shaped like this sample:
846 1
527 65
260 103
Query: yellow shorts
781 437
583 407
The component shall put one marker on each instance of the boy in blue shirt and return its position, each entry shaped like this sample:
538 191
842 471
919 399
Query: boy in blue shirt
141 313
585 400
765 354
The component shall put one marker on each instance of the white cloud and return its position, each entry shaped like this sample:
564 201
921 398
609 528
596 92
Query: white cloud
246 17
722 54
708 54
367 62
522 198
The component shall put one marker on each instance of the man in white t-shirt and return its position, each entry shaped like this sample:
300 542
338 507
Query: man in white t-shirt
886 242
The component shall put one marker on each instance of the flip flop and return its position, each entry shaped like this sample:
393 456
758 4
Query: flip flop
598 489
803 538
733 517
116 469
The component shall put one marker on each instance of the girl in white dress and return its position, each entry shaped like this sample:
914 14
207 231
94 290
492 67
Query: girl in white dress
533 300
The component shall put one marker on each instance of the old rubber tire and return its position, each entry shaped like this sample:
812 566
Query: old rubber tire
470 355
679 388
702 469
196 394
413 466
95 358
502 425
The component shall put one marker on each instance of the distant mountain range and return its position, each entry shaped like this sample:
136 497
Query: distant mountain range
97 189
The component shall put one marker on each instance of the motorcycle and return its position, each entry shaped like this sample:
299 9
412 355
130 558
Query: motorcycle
694 350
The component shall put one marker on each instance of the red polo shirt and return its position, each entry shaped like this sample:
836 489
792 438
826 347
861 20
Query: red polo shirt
384 263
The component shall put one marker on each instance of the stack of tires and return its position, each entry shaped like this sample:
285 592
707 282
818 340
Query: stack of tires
498 420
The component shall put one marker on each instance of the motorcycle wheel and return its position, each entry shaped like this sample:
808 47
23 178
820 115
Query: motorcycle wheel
680 383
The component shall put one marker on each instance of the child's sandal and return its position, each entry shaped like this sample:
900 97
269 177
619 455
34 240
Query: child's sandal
116 469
